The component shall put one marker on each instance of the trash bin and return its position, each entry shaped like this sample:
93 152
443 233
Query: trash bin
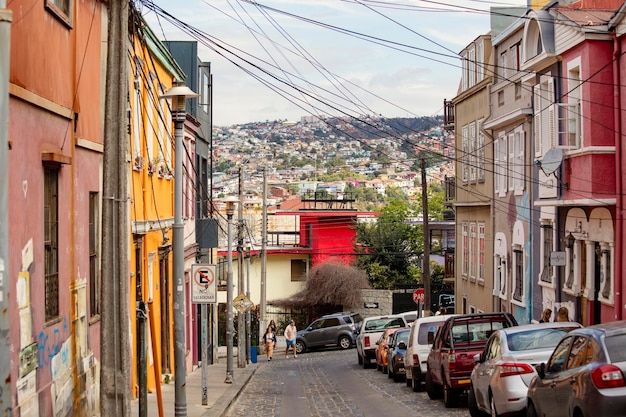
253 354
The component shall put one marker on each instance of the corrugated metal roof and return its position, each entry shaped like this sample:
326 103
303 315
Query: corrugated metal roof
586 17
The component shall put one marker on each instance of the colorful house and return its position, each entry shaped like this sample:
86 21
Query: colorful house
55 194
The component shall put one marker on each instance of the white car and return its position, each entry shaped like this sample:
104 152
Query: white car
369 333
418 348
504 370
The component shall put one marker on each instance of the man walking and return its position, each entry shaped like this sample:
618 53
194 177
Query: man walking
290 338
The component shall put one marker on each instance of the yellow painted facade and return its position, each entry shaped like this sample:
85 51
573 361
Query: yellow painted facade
152 71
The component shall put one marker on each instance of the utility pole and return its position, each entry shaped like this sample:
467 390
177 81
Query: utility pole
229 296
241 325
426 258
263 255
115 316
141 312
5 339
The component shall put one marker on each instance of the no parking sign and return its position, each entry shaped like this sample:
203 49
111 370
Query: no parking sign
203 286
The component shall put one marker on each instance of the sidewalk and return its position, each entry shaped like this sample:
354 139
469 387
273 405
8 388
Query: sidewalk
219 394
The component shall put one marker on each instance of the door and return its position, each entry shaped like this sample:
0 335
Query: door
545 395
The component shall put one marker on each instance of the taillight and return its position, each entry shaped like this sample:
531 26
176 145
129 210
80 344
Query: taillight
607 376
452 361
512 368
366 341
416 359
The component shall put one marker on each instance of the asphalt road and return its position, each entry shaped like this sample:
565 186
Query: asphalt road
331 383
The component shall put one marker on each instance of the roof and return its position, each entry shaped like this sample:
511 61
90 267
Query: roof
586 17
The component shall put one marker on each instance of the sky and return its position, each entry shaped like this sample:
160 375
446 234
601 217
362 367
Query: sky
284 59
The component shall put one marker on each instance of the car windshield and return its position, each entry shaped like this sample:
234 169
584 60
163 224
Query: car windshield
616 346
385 323
536 338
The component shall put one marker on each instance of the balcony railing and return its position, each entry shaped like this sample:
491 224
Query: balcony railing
448 115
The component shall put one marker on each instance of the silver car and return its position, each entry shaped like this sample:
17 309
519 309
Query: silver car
506 367
584 377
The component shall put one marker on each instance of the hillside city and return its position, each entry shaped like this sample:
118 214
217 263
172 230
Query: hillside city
314 154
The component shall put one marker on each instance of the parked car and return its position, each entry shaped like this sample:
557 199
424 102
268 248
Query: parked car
506 366
381 349
584 376
451 358
370 331
336 329
418 348
395 354
409 316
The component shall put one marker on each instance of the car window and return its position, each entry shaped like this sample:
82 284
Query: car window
402 337
557 360
536 338
318 324
424 329
331 322
580 354
493 348
356 318
616 347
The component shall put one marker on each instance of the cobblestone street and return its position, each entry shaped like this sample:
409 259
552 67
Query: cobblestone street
330 383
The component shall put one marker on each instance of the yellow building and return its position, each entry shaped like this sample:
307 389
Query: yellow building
152 72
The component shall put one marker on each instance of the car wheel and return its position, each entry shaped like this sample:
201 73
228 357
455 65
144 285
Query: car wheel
389 372
416 382
359 358
397 377
345 342
365 361
530 410
379 367
407 380
472 405
492 406
449 396
300 346
432 391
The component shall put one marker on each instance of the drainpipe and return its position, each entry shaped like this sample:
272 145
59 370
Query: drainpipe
619 209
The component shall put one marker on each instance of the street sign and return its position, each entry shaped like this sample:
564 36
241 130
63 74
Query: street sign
242 303
203 285
418 296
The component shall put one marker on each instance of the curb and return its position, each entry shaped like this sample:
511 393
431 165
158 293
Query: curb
221 407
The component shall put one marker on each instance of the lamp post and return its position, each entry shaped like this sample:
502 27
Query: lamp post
229 295
179 93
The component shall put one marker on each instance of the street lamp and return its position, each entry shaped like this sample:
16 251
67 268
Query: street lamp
179 93
230 209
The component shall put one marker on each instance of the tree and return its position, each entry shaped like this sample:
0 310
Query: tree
329 284
386 249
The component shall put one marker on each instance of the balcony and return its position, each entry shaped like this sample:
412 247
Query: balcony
448 115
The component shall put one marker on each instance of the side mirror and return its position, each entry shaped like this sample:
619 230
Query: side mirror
477 358
402 345
308 329
541 370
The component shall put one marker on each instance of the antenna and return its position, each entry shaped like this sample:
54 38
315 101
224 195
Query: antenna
552 160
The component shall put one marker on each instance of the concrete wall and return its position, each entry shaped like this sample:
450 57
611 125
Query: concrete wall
382 298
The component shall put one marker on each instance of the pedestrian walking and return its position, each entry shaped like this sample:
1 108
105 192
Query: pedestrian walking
275 330
545 316
290 338
269 340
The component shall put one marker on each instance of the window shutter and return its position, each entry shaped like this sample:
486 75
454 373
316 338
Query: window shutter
537 119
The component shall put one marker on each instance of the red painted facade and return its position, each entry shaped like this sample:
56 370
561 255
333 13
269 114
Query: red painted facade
55 121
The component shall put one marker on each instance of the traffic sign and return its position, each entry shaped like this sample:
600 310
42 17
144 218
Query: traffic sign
418 296
242 303
203 285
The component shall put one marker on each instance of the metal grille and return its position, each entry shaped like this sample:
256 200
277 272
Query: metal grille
51 242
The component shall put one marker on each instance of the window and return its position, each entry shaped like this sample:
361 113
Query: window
481 152
466 254
464 65
500 277
571 275
62 9
481 253
472 252
51 242
500 98
557 360
606 275
504 65
518 273
518 90
480 59
472 153
516 57
500 154
581 353
472 67
519 155
569 114
547 237
465 155
298 270
543 119
205 92
511 161
94 254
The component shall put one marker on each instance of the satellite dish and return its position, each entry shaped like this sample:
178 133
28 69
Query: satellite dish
552 160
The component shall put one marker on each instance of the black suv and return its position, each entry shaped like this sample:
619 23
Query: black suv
336 329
